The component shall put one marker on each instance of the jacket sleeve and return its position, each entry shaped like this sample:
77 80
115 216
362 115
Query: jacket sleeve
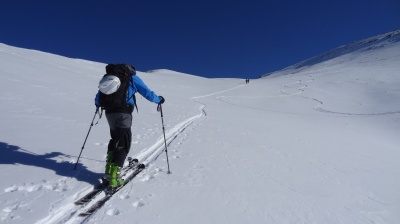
96 100
145 91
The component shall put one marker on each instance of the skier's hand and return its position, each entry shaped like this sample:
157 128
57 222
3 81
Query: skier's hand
162 100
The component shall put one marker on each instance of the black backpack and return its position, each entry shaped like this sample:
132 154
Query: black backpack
116 102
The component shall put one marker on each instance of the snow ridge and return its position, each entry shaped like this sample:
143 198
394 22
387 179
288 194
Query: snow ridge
367 44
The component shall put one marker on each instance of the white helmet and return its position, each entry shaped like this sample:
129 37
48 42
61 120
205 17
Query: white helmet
109 84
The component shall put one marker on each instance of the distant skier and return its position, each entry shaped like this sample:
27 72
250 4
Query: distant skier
120 82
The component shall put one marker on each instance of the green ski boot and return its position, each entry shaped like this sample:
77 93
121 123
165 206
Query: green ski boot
115 178
106 178
108 163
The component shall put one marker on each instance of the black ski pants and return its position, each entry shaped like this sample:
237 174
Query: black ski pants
121 136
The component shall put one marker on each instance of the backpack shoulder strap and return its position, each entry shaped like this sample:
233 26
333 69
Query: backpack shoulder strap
133 95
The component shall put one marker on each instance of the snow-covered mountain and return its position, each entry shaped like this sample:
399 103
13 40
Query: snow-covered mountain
317 142
350 50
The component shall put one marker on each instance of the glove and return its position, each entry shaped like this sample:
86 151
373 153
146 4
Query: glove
162 100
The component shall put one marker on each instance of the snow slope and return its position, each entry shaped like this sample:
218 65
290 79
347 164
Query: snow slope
318 144
350 50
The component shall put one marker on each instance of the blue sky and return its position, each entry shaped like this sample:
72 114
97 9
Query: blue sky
209 38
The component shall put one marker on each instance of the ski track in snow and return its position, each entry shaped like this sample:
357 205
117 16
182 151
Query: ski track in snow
68 212
295 89
153 152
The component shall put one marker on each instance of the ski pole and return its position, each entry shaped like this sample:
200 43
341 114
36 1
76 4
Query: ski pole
91 125
165 141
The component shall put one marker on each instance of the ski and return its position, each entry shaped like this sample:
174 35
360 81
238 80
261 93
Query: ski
98 204
89 196
103 185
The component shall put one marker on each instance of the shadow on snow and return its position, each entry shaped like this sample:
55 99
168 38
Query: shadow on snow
11 154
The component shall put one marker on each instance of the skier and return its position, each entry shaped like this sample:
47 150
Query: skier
120 122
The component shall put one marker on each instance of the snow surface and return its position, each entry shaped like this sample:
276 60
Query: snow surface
316 144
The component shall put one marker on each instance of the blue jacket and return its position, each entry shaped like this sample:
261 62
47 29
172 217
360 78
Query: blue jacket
136 85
